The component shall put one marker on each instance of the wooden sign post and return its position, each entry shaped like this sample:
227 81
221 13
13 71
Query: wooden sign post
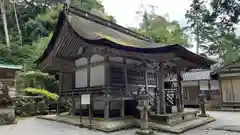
86 100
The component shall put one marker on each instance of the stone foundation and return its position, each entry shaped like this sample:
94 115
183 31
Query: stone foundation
144 132
172 119
7 116
128 122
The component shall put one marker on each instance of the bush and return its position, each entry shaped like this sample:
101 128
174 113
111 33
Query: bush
30 106
36 79
42 92
34 105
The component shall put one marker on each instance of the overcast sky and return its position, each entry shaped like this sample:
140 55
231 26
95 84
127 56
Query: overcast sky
124 11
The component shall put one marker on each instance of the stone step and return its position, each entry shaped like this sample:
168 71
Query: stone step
228 109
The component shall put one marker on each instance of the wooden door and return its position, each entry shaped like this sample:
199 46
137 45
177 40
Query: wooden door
190 95
236 89
227 91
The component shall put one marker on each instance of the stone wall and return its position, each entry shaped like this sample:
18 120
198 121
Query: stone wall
7 116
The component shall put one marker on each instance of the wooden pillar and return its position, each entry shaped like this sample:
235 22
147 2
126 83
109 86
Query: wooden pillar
221 89
146 78
180 105
73 105
80 108
88 72
73 73
89 85
125 73
161 89
107 85
90 111
232 92
59 91
160 93
107 72
157 93
122 111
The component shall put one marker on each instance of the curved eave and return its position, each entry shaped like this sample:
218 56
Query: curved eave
177 49
50 46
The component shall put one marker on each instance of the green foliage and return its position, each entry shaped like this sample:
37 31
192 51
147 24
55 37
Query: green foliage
37 19
195 16
29 106
215 27
36 79
34 74
93 6
227 12
43 92
161 30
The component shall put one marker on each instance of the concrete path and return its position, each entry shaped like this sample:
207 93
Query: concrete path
33 126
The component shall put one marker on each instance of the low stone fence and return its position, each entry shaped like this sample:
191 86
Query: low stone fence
30 105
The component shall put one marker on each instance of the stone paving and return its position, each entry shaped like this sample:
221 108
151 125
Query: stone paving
33 126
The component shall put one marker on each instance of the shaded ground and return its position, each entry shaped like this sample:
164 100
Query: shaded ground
33 126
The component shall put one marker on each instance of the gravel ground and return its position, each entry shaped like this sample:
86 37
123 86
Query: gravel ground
33 126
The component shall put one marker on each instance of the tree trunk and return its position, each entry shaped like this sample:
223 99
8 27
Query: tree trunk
18 27
3 11
197 38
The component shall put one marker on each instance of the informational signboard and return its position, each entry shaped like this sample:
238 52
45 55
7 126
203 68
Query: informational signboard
85 99
204 85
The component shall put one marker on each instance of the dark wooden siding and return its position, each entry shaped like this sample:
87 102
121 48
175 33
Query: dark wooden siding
68 80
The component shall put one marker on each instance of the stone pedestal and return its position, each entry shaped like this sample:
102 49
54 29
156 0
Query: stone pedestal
143 107
106 110
7 116
202 102
145 132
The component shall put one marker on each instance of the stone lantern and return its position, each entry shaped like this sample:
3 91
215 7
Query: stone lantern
202 101
7 111
143 107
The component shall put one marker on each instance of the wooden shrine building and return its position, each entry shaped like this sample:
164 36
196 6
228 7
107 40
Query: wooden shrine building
8 73
229 79
199 81
112 63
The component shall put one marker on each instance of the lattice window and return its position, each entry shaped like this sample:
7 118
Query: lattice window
135 77
151 78
117 75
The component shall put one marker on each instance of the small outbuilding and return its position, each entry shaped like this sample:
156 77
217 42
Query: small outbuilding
229 78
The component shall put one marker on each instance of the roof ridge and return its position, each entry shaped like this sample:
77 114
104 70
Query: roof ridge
224 66
99 20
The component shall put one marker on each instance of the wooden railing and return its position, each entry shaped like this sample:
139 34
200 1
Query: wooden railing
170 96
95 91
